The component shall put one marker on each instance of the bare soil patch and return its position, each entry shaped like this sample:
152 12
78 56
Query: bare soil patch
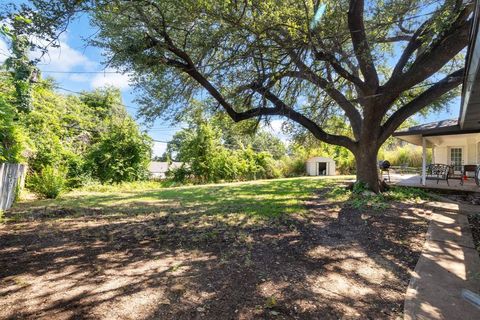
331 262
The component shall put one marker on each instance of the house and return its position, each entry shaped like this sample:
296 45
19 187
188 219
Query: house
319 166
456 141
158 170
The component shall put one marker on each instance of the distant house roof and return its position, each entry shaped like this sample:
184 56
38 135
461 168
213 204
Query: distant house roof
162 167
156 166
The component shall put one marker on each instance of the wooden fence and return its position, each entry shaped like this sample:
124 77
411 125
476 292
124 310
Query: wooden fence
12 178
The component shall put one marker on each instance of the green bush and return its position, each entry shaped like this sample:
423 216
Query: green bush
49 183
181 175
122 154
409 155
293 167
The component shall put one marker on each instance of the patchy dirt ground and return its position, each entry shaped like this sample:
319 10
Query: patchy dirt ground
332 262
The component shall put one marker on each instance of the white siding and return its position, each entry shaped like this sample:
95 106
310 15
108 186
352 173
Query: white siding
471 154
478 152
441 155
312 166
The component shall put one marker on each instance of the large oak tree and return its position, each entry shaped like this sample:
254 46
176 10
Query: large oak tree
377 63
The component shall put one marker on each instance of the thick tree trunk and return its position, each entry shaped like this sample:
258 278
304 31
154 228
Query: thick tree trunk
367 167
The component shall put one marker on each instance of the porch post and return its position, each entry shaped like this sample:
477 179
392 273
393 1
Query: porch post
424 160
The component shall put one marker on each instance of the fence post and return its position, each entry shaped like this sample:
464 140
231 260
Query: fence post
11 176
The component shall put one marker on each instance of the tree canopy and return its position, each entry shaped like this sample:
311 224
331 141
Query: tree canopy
376 63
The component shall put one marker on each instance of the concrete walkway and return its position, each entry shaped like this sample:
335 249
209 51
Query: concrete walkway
449 263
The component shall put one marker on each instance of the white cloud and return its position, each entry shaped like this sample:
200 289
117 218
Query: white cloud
118 80
63 59
78 77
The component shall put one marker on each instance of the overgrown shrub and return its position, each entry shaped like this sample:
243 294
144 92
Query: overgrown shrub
409 155
121 154
181 174
49 182
293 166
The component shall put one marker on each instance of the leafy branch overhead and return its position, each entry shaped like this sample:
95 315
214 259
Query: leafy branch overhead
375 63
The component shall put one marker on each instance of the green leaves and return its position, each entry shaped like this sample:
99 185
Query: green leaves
122 153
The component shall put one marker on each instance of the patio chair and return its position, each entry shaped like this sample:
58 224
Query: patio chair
454 176
469 168
437 171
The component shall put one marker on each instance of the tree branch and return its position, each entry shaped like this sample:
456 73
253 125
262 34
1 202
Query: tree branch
451 42
420 102
360 43
282 109
395 38
327 57
307 74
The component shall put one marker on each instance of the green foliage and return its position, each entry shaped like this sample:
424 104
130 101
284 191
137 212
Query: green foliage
409 154
264 58
293 166
91 136
206 159
121 154
133 186
49 182
232 203
22 69
406 193
359 187
361 198
12 139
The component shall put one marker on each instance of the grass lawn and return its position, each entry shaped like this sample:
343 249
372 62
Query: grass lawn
300 248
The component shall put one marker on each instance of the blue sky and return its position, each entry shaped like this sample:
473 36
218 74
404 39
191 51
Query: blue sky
76 67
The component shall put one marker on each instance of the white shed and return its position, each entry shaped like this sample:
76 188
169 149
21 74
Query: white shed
319 166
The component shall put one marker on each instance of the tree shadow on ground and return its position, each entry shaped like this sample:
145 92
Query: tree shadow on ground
210 262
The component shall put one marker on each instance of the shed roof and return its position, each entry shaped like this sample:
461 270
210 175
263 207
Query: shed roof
315 159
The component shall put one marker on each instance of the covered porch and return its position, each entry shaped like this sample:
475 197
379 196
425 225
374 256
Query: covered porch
451 146
415 180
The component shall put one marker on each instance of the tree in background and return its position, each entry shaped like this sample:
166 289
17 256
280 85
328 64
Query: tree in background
22 69
15 75
240 135
12 140
121 154
207 157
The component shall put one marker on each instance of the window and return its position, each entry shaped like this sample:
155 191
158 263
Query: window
456 158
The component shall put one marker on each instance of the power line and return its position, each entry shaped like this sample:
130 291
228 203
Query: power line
86 94
89 72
